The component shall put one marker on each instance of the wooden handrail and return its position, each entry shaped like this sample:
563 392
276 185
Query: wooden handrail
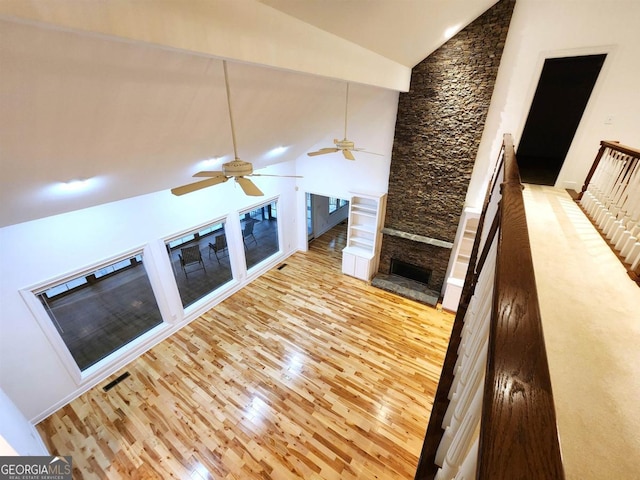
610 197
634 152
604 144
427 467
518 433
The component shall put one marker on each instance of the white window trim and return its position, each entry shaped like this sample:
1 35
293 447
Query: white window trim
167 278
120 357
266 263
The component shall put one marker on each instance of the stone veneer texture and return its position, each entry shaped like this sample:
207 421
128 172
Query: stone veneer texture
438 130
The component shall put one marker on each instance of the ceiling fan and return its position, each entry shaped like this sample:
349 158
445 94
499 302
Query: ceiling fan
237 169
346 146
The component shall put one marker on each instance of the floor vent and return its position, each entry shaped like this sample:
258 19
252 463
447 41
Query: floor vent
282 266
112 384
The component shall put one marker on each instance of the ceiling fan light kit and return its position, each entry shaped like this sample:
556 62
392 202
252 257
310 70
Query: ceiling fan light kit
237 169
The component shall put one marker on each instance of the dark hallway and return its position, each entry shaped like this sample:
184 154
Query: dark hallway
562 94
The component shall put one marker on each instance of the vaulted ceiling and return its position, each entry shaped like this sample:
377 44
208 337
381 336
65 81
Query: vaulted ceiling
133 91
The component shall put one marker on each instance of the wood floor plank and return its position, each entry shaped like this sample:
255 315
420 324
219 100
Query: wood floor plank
305 373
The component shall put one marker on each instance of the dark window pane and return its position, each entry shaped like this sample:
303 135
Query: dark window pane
309 221
101 312
260 233
200 262
336 203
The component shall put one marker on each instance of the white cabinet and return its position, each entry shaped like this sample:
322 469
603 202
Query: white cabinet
461 257
361 256
357 263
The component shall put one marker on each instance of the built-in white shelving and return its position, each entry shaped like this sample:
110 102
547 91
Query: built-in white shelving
361 256
461 257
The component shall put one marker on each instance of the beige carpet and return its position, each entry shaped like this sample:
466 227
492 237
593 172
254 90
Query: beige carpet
591 319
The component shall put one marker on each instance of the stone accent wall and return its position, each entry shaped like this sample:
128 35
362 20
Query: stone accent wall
438 129
416 253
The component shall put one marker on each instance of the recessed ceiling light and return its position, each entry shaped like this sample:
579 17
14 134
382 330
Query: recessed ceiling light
211 162
75 185
451 31
274 152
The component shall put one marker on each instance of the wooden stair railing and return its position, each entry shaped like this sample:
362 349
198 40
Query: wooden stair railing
493 415
610 198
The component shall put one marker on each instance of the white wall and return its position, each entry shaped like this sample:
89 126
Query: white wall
324 221
17 435
546 29
31 372
371 125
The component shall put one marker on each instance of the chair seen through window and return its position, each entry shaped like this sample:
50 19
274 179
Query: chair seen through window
219 247
247 232
190 257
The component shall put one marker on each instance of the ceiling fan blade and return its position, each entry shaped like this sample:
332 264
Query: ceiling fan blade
206 173
348 155
192 187
267 175
322 151
249 187
366 151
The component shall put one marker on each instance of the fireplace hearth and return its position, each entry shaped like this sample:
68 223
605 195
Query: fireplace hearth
406 287
407 280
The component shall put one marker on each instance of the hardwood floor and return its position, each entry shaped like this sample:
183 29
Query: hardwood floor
305 373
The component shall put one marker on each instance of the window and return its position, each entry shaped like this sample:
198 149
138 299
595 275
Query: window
182 240
200 262
309 219
65 287
336 203
260 233
98 313
115 267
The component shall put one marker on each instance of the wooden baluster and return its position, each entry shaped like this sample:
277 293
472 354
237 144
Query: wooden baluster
595 202
629 247
633 256
463 414
608 191
593 170
469 465
460 403
476 357
621 196
470 345
458 438
590 191
627 204
635 263
632 212
492 209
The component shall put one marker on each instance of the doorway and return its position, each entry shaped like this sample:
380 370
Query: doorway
324 213
561 96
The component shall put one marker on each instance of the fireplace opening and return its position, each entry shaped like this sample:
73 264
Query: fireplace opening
407 270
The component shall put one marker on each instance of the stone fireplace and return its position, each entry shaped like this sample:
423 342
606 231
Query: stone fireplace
438 129
410 271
